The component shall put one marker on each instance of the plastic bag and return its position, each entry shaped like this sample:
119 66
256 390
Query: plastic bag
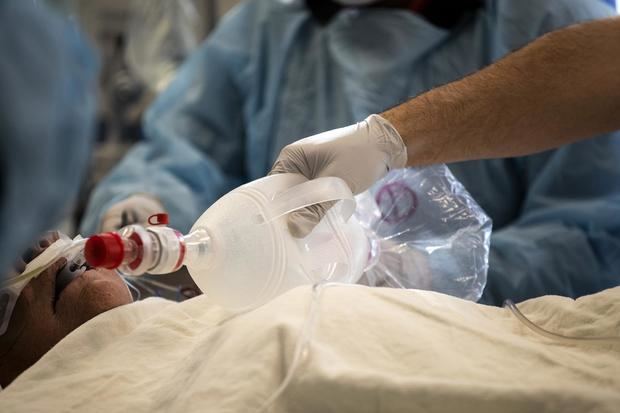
426 232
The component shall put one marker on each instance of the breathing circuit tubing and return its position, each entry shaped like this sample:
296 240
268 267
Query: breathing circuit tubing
302 347
554 336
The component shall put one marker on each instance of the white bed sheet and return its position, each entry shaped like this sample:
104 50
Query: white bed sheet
373 350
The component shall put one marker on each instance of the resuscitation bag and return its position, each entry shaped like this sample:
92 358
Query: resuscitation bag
416 228
252 255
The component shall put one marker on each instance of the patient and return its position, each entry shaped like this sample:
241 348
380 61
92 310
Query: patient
42 317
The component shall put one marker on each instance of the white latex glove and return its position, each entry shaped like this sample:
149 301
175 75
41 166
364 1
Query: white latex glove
360 154
133 210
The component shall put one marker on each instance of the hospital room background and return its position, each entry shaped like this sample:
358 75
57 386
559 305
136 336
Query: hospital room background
123 33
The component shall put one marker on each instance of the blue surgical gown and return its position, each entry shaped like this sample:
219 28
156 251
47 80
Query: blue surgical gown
48 79
270 74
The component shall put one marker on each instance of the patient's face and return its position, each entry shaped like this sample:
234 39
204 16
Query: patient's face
41 318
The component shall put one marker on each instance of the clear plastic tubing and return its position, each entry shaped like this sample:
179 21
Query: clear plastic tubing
302 347
558 337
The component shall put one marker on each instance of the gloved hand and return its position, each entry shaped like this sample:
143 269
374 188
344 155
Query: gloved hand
360 154
133 210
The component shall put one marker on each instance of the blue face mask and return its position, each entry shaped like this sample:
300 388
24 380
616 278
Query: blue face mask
47 106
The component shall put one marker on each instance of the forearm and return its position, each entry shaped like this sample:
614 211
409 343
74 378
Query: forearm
559 89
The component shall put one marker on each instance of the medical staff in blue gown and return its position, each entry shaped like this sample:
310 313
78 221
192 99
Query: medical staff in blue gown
47 109
276 71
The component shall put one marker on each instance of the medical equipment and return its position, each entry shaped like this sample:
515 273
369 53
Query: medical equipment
64 247
555 336
427 233
240 250
416 228
74 267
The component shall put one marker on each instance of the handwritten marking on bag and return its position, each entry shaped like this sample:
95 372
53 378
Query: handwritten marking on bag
397 202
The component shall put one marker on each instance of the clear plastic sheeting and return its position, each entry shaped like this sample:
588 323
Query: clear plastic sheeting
160 36
426 232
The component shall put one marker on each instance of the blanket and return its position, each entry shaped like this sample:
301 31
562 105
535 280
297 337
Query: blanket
368 350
